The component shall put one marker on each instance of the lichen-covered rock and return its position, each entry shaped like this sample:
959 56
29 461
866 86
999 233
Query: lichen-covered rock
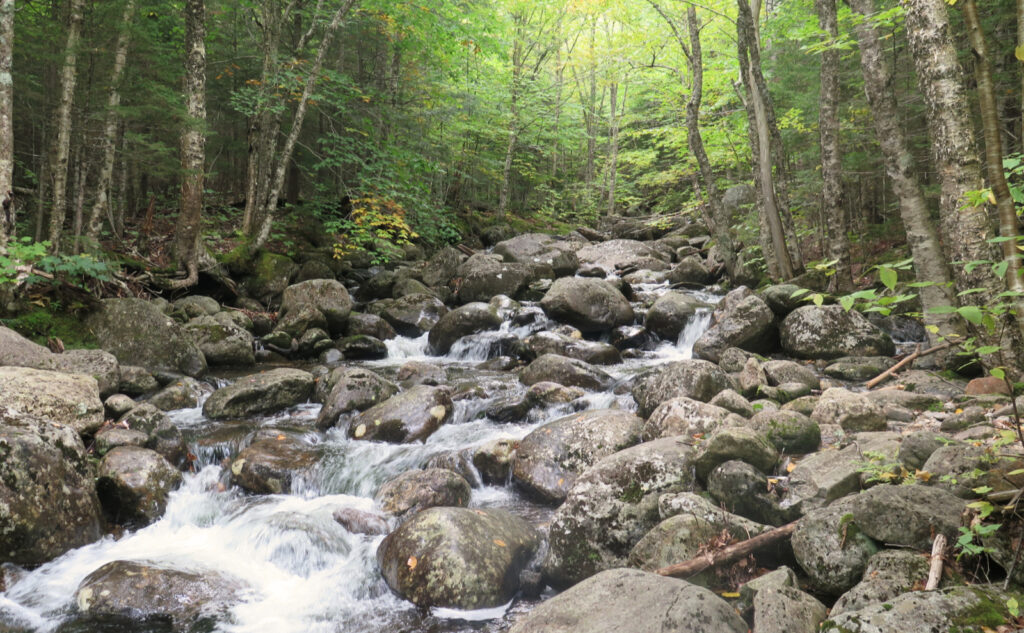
69 399
590 305
263 393
907 515
734 402
889 573
670 314
417 490
272 466
621 600
787 610
359 324
780 372
539 250
831 548
327 296
457 557
568 372
197 305
111 437
790 432
690 270
729 443
592 352
179 394
744 490
410 416
361 347
141 592
18 351
550 458
611 506
960 468
483 277
139 333
133 484
821 478
829 331
355 389
222 341
442 267
852 411
271 274
415 372
689 417
747 323
137 381
463 321
412 315
616 255
964 609
697 379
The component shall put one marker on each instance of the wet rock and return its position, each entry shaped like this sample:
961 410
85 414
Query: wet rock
689 417
417 490
133 485
734 402
781 300
141 592
630 337
180 394
161 434
416 372
670 314
889 573
413 315
587 351
907 515
362 348
221 341
565 371
410 416
611 506
790 432
831 549
746 323
48 502
369 325
632 600
136 381
138 333
263 393
272 466
549 459
494 460
69 399
729 443
355 389
458 558
361 522
831 332
591 305
118 404
787 610
697 379
112 437
691 271
468 319
744 490
852 411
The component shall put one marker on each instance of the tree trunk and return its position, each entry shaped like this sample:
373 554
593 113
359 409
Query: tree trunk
513 126
62 142
6 122
1020 65
965 226
101 199
1008 223
613 142
922 235
193 144
831 162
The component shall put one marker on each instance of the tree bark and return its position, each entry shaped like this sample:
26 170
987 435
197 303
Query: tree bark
62 142
613 142
831 161
101 199
193 144
6 122
922 234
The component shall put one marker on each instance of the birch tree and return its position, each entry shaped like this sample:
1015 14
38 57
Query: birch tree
6 122
62 141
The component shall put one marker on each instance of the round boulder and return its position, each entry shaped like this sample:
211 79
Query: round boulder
697 379
70 399
829 331
271 466
263 393
222 341
412 315
670 314
591 305
133 484
567 372
416 490
327 296
355 389
137 332
747 323
468 319
410 416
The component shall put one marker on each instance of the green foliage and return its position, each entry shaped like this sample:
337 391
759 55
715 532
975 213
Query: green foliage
29 263
41 324
376 226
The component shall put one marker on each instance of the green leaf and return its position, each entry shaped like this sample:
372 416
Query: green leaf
987 349
888 276
1000 268
971 313
846 302
1019 53
999 373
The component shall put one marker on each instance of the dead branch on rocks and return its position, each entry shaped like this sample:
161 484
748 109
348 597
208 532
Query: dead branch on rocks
728 554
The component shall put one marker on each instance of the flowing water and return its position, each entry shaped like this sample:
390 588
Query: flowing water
305 572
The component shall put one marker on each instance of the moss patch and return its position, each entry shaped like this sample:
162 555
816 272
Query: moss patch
41 324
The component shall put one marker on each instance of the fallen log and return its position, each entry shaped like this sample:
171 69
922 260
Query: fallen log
465 249
918 353
729 554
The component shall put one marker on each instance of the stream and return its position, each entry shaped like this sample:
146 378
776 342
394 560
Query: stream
306 572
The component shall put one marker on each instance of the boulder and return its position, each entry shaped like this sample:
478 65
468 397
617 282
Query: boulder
101 365
670 314
410 416
889 573
133 484
539 250
136 381
618 255
69 399
574 347
362 348
412 315
273 466
417 490
781 300
690 271
442 267
591 305
696 379
415 372
781 372
257 394
355 389
741 443
689 417
48 502
484 278
746 323
360 324
734 402
271 275
568 372
790 432
621 600
300 320
327 296
744 490
196 306
463 321
829 331
222 341
179 394
852 411
831 549
973 608
551 456
907 515
611 506
361 522
821 478
139 333
111 437
457 558
787 610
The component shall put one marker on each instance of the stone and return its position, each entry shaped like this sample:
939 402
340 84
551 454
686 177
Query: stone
831 549
361 522
327 296
180 394
111 437
484 278
221 341
790 432
916 448
697 379
747 323
412 315
780 372
972 608
787 610
670 314
415 372
136 381
417 490
442 267
197 305
263 393
690 271
729 443
829 331
361 347
858 368
463 321
118 404
539 250
955 467
689 417
301 319
138 333
72 400
273 465
852 411
567 372
587 351
133 484
889 573
822 477
409 416
731 401
781 300
494 460
907 515
355 389
591 305
617 255
744 490
369 325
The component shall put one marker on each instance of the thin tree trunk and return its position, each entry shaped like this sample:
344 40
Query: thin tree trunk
831 162
513 126
1008 224
101 199
6 122
613 141
1020 65
62 142
193 144
293 136
965 226
922 234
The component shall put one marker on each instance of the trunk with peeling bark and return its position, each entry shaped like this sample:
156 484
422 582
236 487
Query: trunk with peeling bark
922 234
965 226
838 245
193 143
62 141
6 122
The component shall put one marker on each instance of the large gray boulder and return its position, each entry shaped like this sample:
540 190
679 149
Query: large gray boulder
18 351
417 490
133 484
735 443
852 411
137 332
463 321
69 399
611 506
621 255
670 314
442 267
689 417
829 331
327 296
412 315
263 393
567 372
222 341
457 558
821 478
620 600
831 548
273 465
592 352
973 608
355 389
747 323
483 277
48 502
590 305
543 253
697 379
907 515
889 573
410 416
550 458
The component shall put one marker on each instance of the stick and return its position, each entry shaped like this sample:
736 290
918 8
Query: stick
465 249
727 555
903 363
935 571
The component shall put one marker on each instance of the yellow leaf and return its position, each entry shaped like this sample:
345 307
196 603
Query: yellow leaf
790 466
730 594
411 562
923 475
500 543
1019 53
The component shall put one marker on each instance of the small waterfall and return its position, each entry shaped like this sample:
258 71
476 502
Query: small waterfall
695 328
403 348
